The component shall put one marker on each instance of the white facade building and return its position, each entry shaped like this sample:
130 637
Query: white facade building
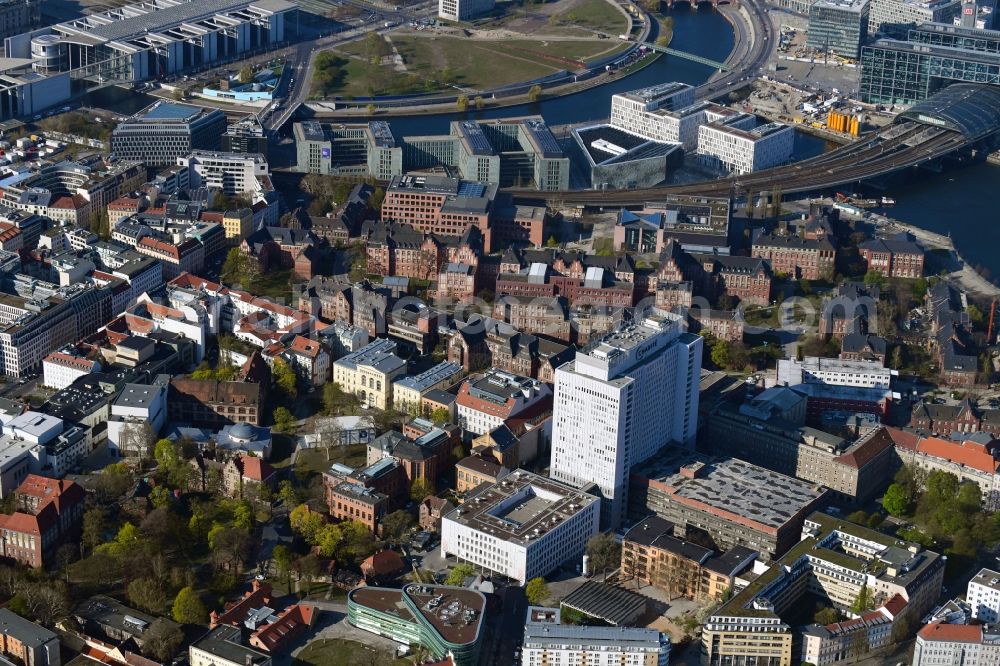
834 372
521 527
136 405
888 16
18 458
644 111
744 150
547 641
464 10
232 173
60 369
620 400
942 644
983 596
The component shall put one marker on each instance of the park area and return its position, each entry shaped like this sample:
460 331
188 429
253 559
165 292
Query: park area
526 43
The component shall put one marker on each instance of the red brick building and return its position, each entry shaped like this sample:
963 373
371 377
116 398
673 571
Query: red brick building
797 257
49 513
894 257
747 279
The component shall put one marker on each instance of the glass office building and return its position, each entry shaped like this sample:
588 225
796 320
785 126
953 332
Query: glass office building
838 27
906 72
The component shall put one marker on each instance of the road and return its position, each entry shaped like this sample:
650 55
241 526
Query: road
301 57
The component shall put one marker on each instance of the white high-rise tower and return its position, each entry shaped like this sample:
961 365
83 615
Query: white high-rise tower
620 400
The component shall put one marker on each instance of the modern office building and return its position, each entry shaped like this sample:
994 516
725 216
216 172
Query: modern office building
17 16
444 620
509 152
894 17
983 596
617 159
642 112
347 149
548 641
740 146
623 397
246 135
691 223
165 131
907 72
464 10
231 173
838 27
723 501
835 560
942 644
521 527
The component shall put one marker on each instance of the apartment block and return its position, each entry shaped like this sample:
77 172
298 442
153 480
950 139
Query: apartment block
29 643
652 555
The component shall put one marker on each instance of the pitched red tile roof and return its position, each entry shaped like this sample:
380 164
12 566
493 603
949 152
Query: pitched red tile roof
969 454
952 633
256 469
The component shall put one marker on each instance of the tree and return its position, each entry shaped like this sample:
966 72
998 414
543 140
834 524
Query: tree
537 591
421 488
283 420
826 616
896 501
94 524
162 640
285 378
440 416
720 353
234 268
188 608
479 102
863 601
873 277
246 75
462 103
137 440
305 522
282 558
337 401
552 242
147 594
287 493
396 525
534 93
663 40
458 575
604 552
376 199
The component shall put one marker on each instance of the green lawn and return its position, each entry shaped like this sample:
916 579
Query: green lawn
596 15
476 64
315 460
577 49
340 652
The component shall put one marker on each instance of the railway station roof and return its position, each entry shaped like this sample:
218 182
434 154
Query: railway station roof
969 108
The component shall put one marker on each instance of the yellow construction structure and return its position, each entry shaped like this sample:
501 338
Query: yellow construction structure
842 122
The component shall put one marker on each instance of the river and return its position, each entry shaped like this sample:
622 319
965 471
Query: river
957 201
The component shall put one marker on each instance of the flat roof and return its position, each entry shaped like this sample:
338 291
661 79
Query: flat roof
226 642
428 378
520 507
455 613
987 578
549 634
728 486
